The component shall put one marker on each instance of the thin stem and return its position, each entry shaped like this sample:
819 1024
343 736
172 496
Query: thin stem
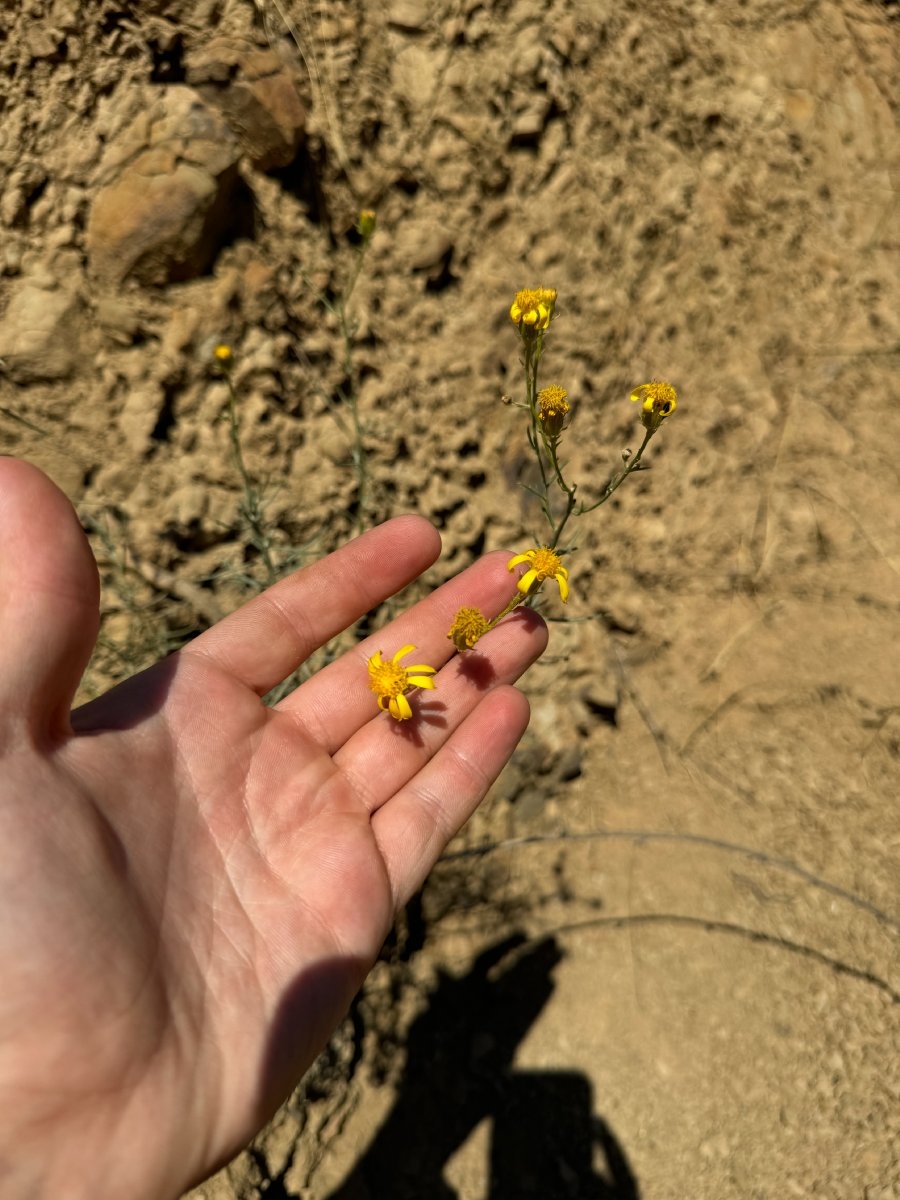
568 489
570 508
517 599
251 507
534 345
350 396
616 480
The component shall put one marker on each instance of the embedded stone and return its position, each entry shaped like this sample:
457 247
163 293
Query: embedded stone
256 94
409 15
40 330
166 205
424 244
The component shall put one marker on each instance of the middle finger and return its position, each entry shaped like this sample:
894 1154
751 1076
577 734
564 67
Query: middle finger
337 702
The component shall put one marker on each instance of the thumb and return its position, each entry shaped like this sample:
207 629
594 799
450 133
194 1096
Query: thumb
49 600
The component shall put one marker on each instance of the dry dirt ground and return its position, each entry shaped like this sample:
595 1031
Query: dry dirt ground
664 959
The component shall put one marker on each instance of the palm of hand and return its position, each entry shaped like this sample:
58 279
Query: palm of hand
200 883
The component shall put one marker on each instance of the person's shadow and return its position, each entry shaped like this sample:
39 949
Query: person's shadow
545 1140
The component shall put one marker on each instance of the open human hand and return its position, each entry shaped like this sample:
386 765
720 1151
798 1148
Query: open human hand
193 885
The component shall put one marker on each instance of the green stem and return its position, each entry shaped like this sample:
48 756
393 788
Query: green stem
251 507
351 396
568 490
616 480
570 508
533 347
517 599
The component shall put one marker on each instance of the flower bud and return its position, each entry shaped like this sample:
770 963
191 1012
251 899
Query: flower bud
552 409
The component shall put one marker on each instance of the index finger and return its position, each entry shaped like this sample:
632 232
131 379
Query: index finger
266 639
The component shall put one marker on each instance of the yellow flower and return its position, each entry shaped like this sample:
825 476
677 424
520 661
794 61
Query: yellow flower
658 400
543 564
468 626
553 408
365 223
532 309
389 681
224 356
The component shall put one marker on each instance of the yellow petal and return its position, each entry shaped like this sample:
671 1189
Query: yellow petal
400 709
561 579
401 652
422 681
420 667
524 584
520 558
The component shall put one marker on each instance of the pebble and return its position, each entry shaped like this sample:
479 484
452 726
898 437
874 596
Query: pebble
39 333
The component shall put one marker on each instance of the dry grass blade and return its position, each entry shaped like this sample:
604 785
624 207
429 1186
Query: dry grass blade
322 94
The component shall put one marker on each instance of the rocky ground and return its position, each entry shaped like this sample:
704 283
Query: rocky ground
663 960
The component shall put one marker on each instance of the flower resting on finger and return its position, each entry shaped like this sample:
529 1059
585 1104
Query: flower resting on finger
658 400
468 626
389 681
532 309
543 563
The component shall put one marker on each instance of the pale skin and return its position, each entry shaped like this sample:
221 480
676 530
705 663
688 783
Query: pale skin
193 885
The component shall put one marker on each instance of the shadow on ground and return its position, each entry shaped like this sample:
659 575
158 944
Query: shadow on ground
545 1140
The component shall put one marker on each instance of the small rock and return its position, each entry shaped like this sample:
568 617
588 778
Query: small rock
569 766
62 236
423 245
11 255
333 444
256 95
529 124
257 289
186 506
601 699
169 203
25 184
117 319
415 74
12 206
42 43
409 15
139 416
40 331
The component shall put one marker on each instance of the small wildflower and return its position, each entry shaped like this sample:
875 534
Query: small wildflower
389 681
553 408
224 356
532 309
658 400
468 626
365 223
543 564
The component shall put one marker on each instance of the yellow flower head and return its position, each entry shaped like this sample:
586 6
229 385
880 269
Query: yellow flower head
468 626
365 223
389 681
224 356
532 309
658 400
553 408
543 564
